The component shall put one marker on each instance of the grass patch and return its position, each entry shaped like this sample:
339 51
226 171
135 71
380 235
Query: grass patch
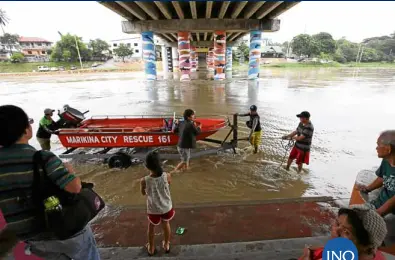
7 67
303 65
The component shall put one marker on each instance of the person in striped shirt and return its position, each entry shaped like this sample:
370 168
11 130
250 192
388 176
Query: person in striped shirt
16 179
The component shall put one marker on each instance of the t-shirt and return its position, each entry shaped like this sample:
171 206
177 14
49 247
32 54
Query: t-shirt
307 131
317 255
16 180
187 132
387 172
45 126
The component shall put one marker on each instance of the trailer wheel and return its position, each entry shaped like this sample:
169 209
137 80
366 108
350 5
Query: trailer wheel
120 160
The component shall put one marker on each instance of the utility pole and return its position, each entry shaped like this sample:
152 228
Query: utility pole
78 50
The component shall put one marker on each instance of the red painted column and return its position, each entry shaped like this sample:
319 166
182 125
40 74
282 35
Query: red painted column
219 54
184 50
210 60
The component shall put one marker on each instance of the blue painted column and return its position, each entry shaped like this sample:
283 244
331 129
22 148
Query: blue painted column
228 58
149 56
255 54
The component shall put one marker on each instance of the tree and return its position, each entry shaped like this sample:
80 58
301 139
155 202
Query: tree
243 50
17 57
66 49
123 51
4 20
304 44
98 46
9 40
326 43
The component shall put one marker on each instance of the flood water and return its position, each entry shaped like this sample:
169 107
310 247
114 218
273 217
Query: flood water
348 108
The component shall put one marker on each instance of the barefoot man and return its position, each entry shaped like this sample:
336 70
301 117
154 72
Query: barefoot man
303 136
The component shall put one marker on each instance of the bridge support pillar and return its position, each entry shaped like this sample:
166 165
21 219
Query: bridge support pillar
149 56
193 59
165 63
210 60
255 54
229 57
184 50
174 54
219 54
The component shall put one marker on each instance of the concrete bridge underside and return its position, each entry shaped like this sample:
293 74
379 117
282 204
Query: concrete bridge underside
201 18
187 25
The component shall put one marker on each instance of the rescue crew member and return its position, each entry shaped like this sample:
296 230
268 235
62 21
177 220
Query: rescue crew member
47 127
255 125
303 136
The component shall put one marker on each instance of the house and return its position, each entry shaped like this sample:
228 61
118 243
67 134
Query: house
133 42
35 49
7 50
272 52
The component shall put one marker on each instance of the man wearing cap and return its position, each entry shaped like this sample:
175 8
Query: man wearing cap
46 128
303 136
255 125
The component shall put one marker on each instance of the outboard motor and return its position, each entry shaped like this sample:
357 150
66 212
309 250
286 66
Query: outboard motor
70 117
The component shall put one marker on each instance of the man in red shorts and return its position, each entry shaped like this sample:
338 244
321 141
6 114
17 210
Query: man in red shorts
303 136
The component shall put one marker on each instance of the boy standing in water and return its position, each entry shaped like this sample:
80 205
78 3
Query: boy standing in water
187 131
255 125
155 187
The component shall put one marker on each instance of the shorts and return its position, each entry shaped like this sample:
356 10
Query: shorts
44 143
155 219
256 138
185 154
300 156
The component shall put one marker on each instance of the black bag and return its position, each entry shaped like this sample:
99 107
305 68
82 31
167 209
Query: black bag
77 209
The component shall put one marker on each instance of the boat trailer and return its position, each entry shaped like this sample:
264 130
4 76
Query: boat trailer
117 157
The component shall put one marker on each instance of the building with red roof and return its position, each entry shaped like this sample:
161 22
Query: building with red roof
35 48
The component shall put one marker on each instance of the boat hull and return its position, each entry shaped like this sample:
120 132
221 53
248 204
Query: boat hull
130 132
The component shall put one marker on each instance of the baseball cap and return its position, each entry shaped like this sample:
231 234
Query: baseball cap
48 111
304 114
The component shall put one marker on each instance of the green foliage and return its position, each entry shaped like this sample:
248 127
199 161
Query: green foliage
17 57
98 47
66 50
3 18
242 51
326 43
123 51
304 44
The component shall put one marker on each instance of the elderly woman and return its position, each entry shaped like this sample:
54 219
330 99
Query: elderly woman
363 226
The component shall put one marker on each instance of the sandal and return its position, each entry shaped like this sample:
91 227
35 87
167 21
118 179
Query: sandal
148 252
167 250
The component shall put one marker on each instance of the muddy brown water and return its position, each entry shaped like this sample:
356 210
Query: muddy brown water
349 108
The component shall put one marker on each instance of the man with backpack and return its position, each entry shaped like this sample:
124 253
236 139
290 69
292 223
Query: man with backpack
17 199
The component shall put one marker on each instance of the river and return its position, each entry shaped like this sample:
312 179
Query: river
348 108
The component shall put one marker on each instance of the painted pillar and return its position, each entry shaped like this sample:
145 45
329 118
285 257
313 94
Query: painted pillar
255 54
229 58
149 56
193 59
164 59
184 50
210 60
219 54
174 54
169 59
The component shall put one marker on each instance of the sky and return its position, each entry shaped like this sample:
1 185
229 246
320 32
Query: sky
90 20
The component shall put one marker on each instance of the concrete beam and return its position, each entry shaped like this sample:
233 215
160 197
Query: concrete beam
149 8
252 8
223 9
192 4
267 8
234 36
133 9
116 8
281 9
175 36
205 36
238 8
200 25
207 44
209 7
168 37
162 6
178 8
197 36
